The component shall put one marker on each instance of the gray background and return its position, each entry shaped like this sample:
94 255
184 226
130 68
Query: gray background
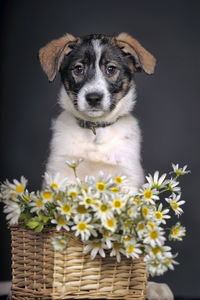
167 104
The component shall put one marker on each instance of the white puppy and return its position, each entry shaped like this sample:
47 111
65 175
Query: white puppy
97 97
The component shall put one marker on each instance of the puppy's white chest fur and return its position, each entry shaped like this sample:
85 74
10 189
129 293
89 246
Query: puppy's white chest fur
114 149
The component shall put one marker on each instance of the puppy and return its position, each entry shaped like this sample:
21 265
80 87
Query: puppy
97 97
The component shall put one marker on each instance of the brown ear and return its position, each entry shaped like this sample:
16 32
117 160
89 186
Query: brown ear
52 54
143 59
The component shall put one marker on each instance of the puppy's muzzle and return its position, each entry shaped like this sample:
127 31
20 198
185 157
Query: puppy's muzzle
94 99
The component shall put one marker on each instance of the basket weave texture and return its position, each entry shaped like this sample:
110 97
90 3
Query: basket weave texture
40 272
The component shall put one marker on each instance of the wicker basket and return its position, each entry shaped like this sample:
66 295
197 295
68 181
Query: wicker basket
40 272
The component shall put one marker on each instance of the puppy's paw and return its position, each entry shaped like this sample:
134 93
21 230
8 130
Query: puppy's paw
158 291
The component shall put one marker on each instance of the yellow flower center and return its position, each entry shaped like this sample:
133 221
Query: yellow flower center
54 185
118 180
155 265
145 211
19 189
117 203
39 203
103 208
153 235
26 199
130 212
61 220
115 189
47 195
101 186
127 239
73 194
128 223
174 205
151 225
66 208
82 226
168 260
60 242
175 230
73 165
137 201
179 172
156 251
147 194
85 189
88 200
158 215
110 223
140 226
81 209
106 234
130 249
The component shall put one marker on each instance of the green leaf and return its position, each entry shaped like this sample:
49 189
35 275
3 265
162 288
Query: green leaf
43 217
32 223
39 228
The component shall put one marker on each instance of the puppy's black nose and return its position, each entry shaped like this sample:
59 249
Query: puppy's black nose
94 99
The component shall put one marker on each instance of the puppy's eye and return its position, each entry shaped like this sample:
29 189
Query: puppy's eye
78 70
111 70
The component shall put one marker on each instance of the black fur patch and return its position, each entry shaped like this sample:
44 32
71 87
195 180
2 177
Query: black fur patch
84 54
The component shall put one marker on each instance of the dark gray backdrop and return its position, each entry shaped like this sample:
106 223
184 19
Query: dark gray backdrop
167 106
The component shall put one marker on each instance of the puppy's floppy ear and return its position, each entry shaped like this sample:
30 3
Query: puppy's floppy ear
52 54
143 59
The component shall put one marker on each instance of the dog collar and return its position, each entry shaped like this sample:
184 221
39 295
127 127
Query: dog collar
93 125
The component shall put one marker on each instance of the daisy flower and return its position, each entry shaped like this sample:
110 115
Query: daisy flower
16 188
149 196
180 171
65 208
47 196
59 242
120 179
116 250
132 250
169 262
159 252
154 266
175 203
107 238
74 163
118 203
13 211
102 183
83 227
73 191
55 181
177 232
155 182
110 224
95 247
103 211
133 212
60 221
161 215
141 229
87 198
154 237
172 185
135 200
37 204
147 211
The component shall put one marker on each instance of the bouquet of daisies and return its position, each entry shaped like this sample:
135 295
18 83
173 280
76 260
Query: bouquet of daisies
103 214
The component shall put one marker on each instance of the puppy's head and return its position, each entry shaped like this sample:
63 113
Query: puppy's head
97 71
